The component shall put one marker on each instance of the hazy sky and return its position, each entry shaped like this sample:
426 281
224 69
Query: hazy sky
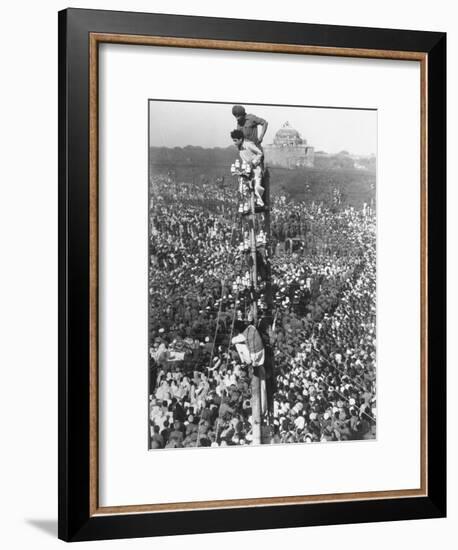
177 124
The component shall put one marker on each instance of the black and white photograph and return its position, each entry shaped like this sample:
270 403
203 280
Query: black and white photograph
262 274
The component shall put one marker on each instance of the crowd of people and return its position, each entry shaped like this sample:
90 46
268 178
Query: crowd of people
323 334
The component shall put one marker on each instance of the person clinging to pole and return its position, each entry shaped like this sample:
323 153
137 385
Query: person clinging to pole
249 344
253 157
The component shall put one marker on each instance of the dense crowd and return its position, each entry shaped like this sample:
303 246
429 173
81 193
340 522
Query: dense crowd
323 337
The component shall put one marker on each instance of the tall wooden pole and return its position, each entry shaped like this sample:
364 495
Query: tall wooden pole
268 368
255 380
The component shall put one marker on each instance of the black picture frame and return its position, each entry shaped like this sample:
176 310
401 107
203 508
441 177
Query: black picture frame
76 521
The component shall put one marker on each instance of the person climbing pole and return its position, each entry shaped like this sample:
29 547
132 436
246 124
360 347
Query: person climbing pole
253 157
251 338
249 123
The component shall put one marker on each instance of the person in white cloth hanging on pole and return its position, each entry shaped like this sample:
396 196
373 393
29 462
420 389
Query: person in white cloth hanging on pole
253 156
249 344
250 348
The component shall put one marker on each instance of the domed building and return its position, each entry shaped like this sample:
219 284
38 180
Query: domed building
289 149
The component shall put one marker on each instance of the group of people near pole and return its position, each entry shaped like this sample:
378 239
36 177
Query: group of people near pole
323 334
248 143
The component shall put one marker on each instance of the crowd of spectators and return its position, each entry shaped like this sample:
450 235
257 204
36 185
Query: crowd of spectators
323 336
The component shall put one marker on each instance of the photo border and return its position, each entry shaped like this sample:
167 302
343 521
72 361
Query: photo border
80 33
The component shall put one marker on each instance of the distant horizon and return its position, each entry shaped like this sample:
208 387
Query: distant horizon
264 144
208 125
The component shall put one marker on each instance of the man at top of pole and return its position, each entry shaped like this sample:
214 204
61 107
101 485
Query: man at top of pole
249 123
253 156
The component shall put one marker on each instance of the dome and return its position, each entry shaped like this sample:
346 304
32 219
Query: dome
288 135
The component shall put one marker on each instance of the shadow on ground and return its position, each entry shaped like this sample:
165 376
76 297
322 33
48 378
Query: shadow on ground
48 526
